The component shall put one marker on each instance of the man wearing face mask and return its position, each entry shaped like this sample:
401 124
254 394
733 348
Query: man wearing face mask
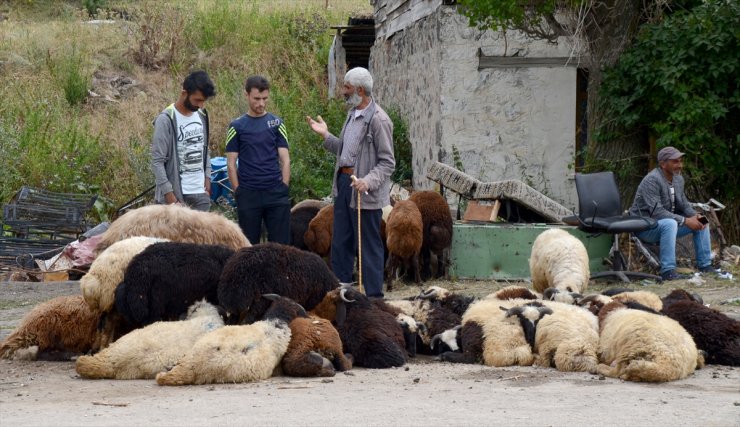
661 196
180 160
364 149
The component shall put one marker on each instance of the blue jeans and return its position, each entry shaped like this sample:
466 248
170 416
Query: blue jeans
666 234
344 241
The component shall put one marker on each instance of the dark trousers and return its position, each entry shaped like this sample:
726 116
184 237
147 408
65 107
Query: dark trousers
271 206
344 241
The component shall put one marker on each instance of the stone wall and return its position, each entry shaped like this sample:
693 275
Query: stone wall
406 68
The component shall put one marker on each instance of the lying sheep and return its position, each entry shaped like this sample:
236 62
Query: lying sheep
166 278
177 223
318 236
236 354
487 336
437 221
529 316
714 332
567 339
559 260
457 303
55 329
639 346
404 234
300 216
646 298
555 294
106 273
271 268
143 353
370 334
315 349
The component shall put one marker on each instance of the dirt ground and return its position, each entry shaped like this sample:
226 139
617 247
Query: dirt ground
424 392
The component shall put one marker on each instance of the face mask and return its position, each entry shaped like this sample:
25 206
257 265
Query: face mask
353 100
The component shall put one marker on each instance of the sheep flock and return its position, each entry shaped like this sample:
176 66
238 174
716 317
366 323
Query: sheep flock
208 307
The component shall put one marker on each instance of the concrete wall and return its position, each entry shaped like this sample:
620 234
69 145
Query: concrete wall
506 123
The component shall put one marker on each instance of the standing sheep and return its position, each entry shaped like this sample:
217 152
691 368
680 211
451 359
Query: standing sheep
639 346
176 223
236 354
271 268
318 236
145 352
713 332
166 278
300 216
404 235
55 329
560 261
437 220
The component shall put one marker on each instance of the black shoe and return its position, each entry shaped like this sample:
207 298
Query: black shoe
672 275
708 269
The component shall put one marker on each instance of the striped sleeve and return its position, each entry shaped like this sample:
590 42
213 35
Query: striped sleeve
230 134
283 131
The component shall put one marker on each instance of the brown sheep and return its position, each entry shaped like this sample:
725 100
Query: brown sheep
404 237
300 216
318 236
435 214
54 329
315 349
176 223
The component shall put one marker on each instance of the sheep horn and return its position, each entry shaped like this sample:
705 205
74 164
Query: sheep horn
435 338
549 293
513 311
428 294
271 297
544 311
342 295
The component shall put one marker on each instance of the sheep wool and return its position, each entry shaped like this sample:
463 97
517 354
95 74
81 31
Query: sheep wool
567 339
315 349
559 260
437 220
64 324
639 346
106 272
177 223
318 235
232 354
145 352
300 216
404 234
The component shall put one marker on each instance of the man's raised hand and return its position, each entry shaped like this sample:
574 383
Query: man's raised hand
318 125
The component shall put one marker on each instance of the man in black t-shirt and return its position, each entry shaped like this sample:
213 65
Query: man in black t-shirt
259 141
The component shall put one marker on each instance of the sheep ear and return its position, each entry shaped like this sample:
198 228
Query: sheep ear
544 311
271 297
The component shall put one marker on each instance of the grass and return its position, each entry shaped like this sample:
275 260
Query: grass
56 136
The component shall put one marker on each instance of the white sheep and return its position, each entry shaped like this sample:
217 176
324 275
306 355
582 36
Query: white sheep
145 352
559 260
636 345
567 339
177 223
235 354
646 298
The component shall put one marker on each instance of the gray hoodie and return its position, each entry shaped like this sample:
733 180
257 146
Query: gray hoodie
164 154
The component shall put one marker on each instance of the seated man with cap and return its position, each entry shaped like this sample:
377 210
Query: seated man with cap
660 195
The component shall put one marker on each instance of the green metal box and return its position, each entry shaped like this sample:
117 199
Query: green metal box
500 251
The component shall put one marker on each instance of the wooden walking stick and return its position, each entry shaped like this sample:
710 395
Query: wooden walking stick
359 236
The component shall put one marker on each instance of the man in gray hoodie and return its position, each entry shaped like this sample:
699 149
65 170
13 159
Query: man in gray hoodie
364 150
661 196
180 160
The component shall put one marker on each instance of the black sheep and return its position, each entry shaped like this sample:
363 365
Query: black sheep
369 333
271 268
713 332
300 215
162 281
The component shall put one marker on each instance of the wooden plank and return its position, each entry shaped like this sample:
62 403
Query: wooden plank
494 211
528 62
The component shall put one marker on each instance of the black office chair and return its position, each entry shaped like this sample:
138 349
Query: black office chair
600 211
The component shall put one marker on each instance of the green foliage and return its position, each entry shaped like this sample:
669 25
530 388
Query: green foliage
503 14
69 73
402 150
679 82
92 6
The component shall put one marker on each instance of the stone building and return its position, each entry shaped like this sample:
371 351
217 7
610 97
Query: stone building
508 105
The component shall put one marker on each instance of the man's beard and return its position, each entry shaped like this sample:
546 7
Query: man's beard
190 106
353 100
